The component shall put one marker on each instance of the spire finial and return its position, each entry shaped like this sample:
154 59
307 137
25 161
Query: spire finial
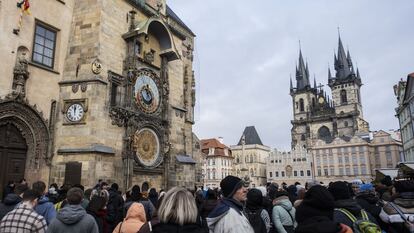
339 32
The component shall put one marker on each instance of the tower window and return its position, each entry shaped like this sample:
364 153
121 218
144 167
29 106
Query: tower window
346 123
344 99
301 105
325 134
302 137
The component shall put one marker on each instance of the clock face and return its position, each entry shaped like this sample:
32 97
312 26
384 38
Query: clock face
321 100
146 94
147 147
75 113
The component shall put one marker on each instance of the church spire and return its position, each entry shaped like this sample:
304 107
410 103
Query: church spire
302 73
342 66
291 84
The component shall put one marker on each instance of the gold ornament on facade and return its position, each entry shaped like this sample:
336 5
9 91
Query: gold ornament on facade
147 147
96 67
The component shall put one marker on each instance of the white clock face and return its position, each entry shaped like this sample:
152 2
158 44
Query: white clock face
75 112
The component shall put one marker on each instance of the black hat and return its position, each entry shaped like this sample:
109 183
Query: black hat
254 198
339 190
386 181
318 201
230 184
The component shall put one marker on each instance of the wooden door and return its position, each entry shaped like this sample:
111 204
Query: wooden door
13 153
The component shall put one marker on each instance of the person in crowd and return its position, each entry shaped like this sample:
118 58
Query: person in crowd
115 207
178 213
24 218
283 214
153 196
133 221
228 216
311 183
136 196
403 203
44 207
199 198
52 193
86 198
315 213
255 213
61 201
344 204
147 227
73 217
97 208
207 206
300 195
9 188
369 201
384 188
355 186
12 200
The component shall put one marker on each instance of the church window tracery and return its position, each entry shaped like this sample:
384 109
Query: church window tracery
344 99
301 105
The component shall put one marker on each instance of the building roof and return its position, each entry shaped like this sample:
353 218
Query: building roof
250 136
219 148
170 13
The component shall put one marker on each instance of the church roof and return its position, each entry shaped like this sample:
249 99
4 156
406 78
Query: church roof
251 137
177 19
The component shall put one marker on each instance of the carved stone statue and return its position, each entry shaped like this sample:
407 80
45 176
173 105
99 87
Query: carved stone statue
20 72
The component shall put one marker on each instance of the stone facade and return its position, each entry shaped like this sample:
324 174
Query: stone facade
218 162
333 130
404 91
250 157
86 102
289 167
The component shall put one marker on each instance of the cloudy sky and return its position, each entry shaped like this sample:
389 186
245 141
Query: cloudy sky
245 52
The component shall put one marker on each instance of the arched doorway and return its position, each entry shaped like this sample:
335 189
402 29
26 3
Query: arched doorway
13 153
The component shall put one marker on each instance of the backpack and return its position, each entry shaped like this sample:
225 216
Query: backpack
362 224
255 219
407 224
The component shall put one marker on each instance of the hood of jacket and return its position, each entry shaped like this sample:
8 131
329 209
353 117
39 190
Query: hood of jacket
349 204
319 224
136 212
71 214
284 202
174 228
12 199
43 199
222 209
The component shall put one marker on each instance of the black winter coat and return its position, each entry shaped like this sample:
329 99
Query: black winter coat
115 209
9 203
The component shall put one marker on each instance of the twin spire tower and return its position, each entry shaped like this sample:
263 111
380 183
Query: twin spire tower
316 116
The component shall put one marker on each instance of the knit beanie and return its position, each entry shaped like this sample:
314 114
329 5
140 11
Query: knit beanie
339 190
254 199
230 184
318 201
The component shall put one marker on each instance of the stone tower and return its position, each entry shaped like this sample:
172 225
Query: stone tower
315 115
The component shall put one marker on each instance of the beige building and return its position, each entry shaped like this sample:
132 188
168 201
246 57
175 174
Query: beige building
289 166
250 157
97 90
333 129
218 162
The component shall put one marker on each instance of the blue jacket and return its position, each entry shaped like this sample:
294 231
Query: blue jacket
45 208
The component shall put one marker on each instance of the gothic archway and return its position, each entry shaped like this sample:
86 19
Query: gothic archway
33 128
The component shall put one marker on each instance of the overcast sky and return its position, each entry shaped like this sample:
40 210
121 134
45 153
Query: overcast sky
245 52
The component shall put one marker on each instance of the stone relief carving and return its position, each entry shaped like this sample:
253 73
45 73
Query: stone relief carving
20 72
149 56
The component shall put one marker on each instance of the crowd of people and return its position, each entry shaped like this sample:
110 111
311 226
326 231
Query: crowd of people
339 207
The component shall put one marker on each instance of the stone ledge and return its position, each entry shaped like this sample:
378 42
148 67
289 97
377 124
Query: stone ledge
93 149
94 80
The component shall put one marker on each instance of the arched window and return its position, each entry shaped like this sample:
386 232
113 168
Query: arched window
313 102
346 123
214 173
303 138
208 174
251 172
344 99
301 105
